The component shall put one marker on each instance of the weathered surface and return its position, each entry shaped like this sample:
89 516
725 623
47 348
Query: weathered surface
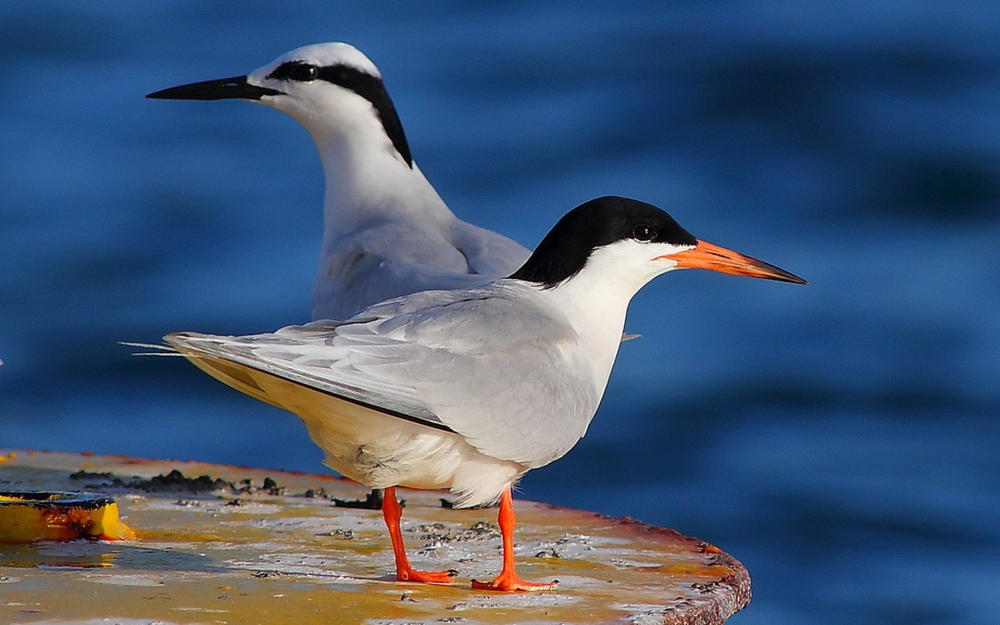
229 549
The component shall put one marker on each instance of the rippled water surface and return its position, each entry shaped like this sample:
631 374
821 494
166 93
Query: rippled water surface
840 439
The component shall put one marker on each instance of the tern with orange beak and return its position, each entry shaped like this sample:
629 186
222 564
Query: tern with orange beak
469 389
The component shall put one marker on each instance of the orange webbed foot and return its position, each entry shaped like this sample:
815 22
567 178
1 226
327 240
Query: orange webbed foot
510 582
426 577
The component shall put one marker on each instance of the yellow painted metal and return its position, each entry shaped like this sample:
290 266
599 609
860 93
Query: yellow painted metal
254 546
40 515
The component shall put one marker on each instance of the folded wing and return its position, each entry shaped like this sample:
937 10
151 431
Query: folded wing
486 363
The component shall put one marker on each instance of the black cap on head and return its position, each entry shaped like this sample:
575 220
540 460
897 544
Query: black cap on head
565 249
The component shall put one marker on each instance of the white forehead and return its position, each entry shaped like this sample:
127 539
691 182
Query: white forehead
327 54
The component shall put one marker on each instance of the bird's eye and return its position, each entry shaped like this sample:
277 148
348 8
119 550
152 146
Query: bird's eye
643 232
304 73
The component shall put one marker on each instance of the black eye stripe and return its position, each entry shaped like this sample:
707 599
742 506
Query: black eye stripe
295 70
365 85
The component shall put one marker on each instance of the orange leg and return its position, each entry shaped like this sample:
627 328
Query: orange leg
393 512
508 580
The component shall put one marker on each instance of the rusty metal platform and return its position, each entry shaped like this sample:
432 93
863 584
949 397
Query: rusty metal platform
252 546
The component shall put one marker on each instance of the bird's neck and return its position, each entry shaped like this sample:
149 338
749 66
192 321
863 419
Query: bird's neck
595 300
597 314
368 182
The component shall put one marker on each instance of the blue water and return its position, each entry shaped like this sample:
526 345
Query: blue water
842 439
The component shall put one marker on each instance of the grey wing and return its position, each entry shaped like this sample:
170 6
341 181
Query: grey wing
328 355
395 259
527 407
486 252
305 356
510 379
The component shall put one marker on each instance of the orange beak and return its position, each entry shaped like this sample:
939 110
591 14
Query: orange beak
708 256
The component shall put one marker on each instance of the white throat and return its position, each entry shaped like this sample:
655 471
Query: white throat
596 299
367 181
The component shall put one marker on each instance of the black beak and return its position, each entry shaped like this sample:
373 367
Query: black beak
221 89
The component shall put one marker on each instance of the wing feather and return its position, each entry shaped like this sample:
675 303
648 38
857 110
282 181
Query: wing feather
492 364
